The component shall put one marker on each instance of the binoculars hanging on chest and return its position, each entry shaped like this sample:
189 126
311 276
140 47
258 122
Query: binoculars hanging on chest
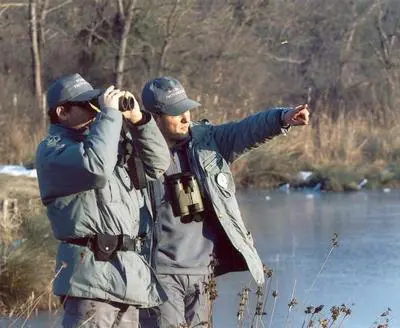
185 195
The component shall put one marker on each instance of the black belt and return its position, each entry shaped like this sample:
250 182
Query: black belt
125 243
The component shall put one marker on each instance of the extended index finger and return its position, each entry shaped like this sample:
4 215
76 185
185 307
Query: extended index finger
300 107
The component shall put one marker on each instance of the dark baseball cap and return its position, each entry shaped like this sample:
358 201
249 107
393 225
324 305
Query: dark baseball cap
166 95
70 88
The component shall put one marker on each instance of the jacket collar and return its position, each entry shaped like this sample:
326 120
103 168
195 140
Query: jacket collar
63 131
200 132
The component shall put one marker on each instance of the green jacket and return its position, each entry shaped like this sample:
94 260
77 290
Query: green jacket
212 149
85 193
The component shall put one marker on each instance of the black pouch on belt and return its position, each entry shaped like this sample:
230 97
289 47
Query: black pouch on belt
104 246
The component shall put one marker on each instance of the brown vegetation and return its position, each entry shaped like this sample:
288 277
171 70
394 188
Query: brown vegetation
345 151
27 250
235 57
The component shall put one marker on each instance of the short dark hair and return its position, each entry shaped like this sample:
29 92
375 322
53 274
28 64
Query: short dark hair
53 116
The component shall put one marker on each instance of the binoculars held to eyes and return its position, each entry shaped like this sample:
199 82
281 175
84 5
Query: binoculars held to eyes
185 194
125 102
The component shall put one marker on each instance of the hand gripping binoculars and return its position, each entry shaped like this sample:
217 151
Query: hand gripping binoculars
125 102
186 199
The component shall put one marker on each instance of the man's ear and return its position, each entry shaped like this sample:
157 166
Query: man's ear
62 113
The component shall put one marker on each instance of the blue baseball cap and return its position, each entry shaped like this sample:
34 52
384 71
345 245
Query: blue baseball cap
166 95
70 88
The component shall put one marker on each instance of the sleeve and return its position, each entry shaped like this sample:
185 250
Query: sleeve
69 167
150 146
235 138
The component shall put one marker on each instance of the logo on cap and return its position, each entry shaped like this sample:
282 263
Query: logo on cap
174 92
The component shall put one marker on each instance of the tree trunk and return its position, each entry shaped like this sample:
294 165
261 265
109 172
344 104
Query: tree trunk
126 19
170 29
36 62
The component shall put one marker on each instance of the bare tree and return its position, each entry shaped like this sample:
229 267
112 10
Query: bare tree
36 64
125 18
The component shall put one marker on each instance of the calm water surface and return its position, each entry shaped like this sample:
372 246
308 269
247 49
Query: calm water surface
293 234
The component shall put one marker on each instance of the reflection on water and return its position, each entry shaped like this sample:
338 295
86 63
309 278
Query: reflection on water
293 235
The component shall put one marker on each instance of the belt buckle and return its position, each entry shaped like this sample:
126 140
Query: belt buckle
138 241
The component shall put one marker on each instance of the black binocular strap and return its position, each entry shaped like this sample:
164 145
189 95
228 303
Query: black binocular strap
134 163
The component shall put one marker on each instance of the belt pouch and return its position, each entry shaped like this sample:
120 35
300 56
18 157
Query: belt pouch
104 246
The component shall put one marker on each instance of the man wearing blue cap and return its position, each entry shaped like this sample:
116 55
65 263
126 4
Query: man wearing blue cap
95 212
201 230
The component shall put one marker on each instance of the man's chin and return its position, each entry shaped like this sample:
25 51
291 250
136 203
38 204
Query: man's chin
181 136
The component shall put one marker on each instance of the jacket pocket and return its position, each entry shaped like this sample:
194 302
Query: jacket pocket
220 174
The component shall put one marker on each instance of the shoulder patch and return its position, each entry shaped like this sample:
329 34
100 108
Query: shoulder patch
54 142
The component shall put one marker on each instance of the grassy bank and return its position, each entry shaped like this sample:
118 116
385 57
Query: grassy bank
340 153
27 249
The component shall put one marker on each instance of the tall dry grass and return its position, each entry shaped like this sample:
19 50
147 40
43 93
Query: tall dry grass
20 136
341 150
18 187
27 248
27 261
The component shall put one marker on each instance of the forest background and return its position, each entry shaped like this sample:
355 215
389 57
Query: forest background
234 56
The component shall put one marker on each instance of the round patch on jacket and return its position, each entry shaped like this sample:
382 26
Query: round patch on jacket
222 180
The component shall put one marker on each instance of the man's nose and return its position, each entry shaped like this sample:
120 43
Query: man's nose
185 117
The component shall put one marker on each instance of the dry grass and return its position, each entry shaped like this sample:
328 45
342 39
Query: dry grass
27 264
27 249
18 187
342 151
20 137
23 194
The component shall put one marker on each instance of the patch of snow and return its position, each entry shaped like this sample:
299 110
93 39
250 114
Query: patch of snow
18 170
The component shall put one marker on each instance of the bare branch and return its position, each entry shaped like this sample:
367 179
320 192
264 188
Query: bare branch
92 32
285 59
357 22
7 5
58 7
3 11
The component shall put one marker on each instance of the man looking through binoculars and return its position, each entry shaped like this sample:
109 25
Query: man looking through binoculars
94 209
201 229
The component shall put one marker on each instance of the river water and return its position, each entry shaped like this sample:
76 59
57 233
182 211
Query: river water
293 233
